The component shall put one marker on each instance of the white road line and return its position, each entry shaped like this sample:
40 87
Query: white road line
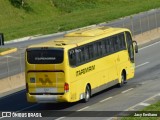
132 107
149 45
83 108
142 64
8 56
144 104
152 97
106 99
127 90
60 118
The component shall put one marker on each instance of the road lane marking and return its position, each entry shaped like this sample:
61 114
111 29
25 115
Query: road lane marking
152 97
142 64
127 90
83 108
8 56
144 104
60 118
106 99
149 45
132 107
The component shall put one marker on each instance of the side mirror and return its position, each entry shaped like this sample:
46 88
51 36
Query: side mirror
135 46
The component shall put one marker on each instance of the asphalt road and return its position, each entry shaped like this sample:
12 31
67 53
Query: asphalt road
143 86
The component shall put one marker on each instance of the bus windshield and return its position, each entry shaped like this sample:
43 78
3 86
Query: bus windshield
45 56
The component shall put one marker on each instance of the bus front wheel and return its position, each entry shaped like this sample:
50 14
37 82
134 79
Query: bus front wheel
123 80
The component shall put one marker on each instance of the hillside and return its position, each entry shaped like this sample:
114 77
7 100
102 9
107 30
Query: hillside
50 16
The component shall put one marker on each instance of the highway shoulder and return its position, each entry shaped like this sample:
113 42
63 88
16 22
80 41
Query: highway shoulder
8 51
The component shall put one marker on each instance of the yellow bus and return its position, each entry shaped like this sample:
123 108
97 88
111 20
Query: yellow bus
79 65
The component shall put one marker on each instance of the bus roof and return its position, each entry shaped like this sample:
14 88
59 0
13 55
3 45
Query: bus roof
81 37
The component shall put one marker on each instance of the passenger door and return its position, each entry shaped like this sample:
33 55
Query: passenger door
130 46
130 63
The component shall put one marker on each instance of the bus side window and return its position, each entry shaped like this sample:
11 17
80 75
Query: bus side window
91 53
122 41
80 55
87 57
107 46
97 49
72 57
116 43
103 47
111 45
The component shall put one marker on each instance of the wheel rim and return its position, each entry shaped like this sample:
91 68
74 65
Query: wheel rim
122 79
87 94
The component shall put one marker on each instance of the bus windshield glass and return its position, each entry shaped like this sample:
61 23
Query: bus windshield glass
45 56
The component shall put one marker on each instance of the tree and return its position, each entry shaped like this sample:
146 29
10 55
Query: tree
18 3
21 4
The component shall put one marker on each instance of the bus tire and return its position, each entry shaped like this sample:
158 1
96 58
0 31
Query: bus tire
87 94
123 81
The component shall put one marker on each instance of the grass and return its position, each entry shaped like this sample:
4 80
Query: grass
4 49
154 108
50 16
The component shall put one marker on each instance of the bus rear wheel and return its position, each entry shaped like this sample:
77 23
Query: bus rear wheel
87 94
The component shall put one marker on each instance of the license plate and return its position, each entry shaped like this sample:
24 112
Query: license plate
46 90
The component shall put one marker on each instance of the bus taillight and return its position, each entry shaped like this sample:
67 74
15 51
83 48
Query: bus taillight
66 87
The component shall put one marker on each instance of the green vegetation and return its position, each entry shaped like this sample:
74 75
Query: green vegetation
4 49
154 107
50 16
21 4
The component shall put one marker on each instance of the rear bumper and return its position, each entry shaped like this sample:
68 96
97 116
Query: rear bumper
47 98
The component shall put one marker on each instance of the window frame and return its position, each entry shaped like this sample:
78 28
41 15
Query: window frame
103 50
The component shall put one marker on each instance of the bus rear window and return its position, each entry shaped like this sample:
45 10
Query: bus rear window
45 56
